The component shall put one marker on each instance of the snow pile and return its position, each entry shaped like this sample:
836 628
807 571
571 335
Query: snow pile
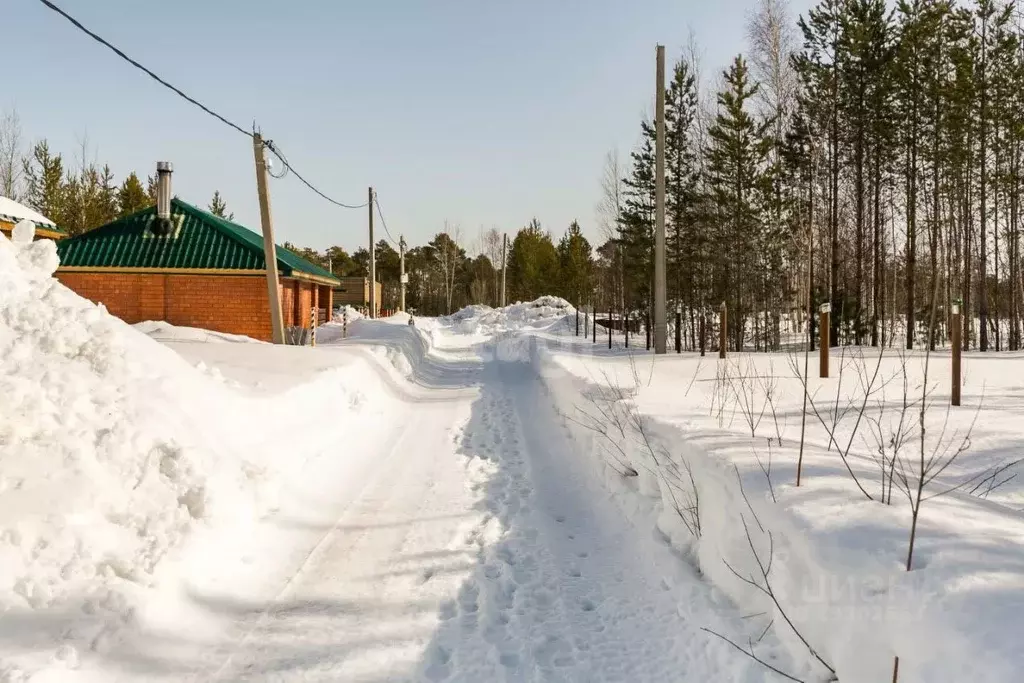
832 560
101 468
484 320
165 332
347 312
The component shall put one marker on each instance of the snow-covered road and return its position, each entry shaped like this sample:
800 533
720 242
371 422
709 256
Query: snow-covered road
465 546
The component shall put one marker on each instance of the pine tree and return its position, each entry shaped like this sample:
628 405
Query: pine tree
684 238
818 69
636 225
102 207
737 156
131 197
219 208
44 181
532 264
863 40
575 265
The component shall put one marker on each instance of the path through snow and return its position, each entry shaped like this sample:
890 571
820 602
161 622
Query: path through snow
471 545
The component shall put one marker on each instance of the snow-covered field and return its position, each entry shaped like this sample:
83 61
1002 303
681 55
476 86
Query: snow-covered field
486 497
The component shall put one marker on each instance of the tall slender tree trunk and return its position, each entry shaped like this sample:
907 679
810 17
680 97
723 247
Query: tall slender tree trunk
837 304
859 189
996 186
911 247
877 286
983 189
968 259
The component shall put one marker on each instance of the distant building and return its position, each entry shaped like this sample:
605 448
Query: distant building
200 271
12 213
355 292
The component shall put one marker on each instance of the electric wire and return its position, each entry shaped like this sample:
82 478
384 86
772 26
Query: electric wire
268 143
383 222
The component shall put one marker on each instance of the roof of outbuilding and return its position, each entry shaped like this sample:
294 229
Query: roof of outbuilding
12 212
198 241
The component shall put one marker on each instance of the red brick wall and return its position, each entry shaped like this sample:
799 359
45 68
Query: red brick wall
224 303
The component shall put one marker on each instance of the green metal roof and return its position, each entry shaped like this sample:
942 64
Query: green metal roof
198 241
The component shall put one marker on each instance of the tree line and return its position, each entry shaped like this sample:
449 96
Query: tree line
862 156
446 275
78 194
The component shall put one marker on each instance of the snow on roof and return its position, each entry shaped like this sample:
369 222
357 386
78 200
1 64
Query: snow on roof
11 208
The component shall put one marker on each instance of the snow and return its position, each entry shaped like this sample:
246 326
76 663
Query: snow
837 558
11 208
165 332
477 497
23 232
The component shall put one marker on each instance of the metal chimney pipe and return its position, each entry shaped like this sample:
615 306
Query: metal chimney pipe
163 189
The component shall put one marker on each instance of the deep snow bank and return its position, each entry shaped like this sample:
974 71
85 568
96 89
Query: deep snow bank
480 319
834 560
113 449
94 484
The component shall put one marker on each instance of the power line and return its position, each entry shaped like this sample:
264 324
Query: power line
380 213
134 63
269 144
273 148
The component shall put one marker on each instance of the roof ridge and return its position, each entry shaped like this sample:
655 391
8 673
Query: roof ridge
255 242
116 223
252 240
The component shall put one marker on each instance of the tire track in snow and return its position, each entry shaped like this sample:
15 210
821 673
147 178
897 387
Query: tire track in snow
365 601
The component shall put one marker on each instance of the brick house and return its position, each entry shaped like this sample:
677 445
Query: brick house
12 213
204 272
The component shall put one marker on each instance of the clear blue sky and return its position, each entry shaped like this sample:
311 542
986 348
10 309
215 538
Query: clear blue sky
484 113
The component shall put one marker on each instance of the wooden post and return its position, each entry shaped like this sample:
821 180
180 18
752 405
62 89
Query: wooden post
577 321
647 328
625 326
593 310
723 329
610 329
373 260
269 248
957 328
824 314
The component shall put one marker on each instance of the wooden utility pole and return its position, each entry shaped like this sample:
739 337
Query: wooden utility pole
269 248
659 204
823 324
956 327
373 260
403 278
504 265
